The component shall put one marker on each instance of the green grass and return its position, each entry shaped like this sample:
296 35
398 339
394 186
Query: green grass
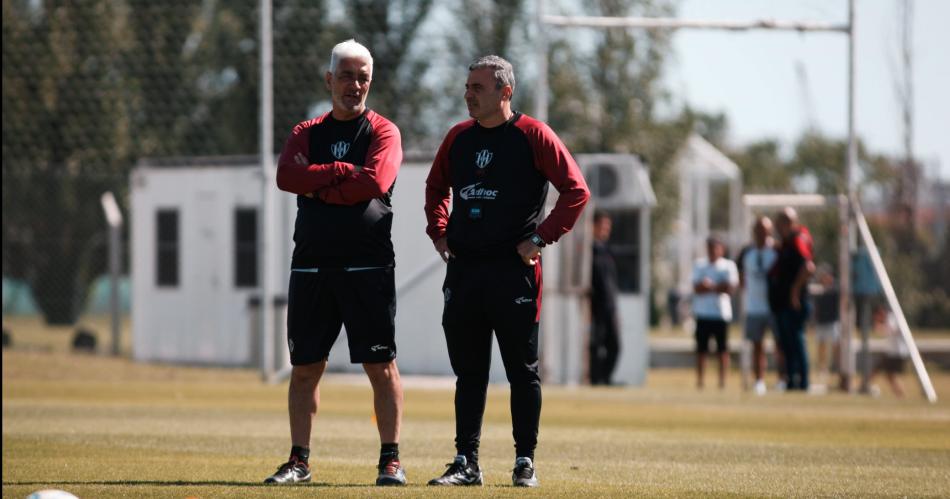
102 427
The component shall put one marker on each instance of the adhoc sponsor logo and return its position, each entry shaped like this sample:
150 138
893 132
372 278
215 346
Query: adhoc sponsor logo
475 192
339 149
521 300
483 157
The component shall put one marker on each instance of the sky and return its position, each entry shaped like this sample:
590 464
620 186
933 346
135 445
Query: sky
752 76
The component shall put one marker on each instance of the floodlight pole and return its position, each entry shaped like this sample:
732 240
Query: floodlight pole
541 97
114 218
846 213
846 219
265 224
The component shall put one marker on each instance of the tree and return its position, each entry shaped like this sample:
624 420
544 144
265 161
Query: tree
389 29
301 58
66 139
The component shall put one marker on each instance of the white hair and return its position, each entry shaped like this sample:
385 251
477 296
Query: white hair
349 49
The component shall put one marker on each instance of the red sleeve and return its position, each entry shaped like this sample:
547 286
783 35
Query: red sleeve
554 161
438 186
296 174
378 174
803 244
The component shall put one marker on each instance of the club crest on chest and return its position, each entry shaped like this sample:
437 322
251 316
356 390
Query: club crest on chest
339 149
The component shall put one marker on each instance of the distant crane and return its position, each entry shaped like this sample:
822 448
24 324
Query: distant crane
909 180
808 104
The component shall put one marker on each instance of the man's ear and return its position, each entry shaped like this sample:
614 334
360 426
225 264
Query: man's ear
507 92
327 78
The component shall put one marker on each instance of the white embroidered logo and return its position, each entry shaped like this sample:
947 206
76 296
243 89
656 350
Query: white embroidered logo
377 348
290 344
475 192
522 300
339 149
483 157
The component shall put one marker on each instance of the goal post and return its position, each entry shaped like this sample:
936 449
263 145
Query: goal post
893 303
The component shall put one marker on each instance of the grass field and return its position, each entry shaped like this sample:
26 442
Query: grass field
102 427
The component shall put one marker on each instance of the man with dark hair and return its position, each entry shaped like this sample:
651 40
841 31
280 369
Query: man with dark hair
342 165
788 294
714 279
605 325
496 168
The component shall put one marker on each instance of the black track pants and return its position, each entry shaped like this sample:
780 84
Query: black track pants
503 296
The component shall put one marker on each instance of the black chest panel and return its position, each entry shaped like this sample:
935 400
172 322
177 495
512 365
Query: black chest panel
331 235
498 193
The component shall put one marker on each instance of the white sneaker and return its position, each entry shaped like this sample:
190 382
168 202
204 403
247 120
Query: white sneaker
780 386
759 388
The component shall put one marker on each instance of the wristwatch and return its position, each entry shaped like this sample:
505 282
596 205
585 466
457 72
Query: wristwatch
537 241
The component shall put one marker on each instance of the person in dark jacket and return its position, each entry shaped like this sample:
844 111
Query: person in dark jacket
788 294
605 324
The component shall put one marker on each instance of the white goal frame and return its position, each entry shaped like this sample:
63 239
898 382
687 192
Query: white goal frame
848 207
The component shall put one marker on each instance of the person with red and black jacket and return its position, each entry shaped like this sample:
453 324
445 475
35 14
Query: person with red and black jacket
342 166
788 294
496 168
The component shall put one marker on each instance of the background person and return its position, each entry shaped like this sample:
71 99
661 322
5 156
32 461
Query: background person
894 359
788 294
714 279
604 345
827 325
754 263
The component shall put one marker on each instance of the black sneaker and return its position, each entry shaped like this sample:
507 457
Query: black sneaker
391 473
459 472
292 471
523 474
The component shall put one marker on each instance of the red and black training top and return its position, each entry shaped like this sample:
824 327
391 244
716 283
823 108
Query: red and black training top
499 181
343 173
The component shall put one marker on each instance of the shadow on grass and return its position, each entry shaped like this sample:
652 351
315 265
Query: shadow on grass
183 483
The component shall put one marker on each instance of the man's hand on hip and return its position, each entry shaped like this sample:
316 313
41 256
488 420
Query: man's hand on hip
529 252
442 247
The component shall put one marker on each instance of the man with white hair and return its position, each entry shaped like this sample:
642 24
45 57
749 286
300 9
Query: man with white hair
496 168
342 166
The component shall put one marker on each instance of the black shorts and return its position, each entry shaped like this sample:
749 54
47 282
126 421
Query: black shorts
319 303
891 364
706 328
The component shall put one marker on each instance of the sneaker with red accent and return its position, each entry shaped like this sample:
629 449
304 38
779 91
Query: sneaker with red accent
391 473
292 471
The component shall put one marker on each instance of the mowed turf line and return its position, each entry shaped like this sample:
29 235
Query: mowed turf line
101 427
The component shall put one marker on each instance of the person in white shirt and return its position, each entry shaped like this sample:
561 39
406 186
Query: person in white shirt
714 279
754 263
892 363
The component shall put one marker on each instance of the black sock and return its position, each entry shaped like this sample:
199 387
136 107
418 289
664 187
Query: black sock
388 451
301 453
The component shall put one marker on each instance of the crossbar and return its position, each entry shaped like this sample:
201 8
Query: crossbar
674 23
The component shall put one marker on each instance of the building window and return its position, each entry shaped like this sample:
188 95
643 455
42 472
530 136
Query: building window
167 245
625 246
245 247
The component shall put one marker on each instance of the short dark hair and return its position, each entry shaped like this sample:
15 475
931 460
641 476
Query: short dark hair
503 70
600 215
